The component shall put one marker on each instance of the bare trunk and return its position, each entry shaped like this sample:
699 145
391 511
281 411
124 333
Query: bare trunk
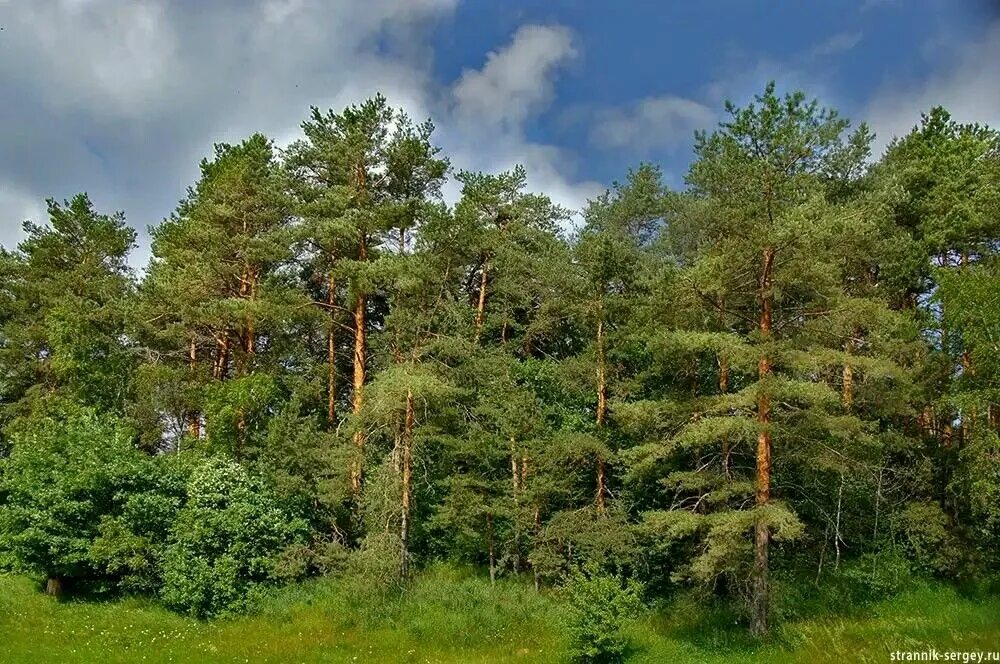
847 400
847 397
836 530
762 533
244 366
193 417
602 410
481 303
54 586
878 506
515 474
248 334
601 471
727 460
537 520
241 434
360 342
925 420
331 355
358 394
406 463
847 376
515 469
221 364
968 418
602 386
251 329
492 548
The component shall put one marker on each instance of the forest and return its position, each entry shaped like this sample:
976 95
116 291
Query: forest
783 374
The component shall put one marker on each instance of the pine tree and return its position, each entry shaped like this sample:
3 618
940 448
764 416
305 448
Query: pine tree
619 226
942 193
67 289
217 298
761 261
360 174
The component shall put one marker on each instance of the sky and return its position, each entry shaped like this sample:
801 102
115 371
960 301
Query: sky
123 98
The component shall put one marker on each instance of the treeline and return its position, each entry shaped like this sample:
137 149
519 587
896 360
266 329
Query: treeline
785 370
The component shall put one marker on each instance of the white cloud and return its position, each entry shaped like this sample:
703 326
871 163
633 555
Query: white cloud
836 44
517 80
969 87
484 128
19 207
654 122
122 98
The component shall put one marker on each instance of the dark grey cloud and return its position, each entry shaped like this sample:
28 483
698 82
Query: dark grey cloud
121 98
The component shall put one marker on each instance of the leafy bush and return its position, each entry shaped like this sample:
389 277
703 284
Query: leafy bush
601 607
130 545
71 478
929 541
876 576
225 542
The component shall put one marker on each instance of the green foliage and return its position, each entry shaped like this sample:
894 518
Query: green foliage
66 291
786 370
932 546
130 546
70 485
601 609
225 541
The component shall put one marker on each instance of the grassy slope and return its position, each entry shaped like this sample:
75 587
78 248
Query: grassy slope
450 617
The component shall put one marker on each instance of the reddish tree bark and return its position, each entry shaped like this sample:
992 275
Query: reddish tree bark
762 534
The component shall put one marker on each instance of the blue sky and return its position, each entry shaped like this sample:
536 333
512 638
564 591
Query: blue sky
121 98
844 51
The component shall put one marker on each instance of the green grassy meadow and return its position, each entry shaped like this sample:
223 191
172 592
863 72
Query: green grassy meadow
450 615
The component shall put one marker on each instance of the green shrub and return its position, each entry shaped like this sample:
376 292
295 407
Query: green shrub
69 485
601 607
225 543
877 576
929 541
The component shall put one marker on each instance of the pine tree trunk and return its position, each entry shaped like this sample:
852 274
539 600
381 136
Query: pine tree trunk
847 376
727 460
331 355
358 394
245 365
251 330
602 409
194 417
601 482
515 472
492 547
537 520
247 335
481 303
847 400
360 342
54 586
406 463
762 534
241 434
221 365
968 418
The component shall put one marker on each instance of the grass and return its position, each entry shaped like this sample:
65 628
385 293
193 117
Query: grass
451 615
